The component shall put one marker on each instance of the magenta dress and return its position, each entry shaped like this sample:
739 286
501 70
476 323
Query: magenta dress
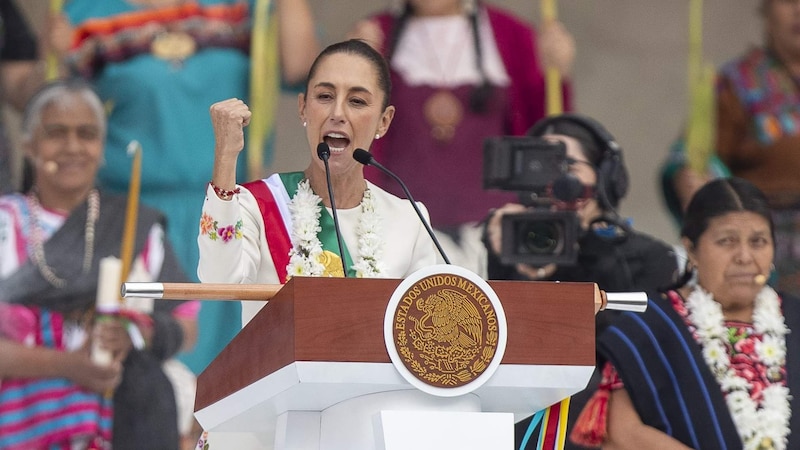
447 175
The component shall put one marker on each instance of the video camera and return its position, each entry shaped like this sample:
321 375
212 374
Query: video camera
538 170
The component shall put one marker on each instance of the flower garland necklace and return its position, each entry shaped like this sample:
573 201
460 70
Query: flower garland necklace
304 257
764 425
36 241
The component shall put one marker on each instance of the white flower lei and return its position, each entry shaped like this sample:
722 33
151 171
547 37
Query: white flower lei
761 426
304 257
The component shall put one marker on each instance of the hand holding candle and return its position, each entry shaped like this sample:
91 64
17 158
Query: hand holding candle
108 292
108 285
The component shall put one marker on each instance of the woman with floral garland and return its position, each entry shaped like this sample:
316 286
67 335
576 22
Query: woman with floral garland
269 230
713 364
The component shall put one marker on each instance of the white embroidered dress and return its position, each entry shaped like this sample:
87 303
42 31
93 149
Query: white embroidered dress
240 253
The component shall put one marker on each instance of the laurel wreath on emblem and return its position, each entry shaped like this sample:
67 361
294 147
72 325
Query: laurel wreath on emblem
445 379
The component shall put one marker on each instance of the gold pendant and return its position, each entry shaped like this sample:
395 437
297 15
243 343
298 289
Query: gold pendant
766 444
332 263
443 112
173 46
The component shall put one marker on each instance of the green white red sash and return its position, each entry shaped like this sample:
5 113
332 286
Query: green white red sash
273 196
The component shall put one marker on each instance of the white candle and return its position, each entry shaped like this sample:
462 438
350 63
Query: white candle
109 285
108 295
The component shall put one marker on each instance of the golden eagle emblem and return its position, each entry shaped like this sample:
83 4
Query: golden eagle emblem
445 330
450 327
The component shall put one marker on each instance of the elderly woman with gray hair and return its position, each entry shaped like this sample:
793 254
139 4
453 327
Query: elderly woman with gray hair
52 393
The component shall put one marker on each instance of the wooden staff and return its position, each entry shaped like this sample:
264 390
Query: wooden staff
555 104
621 301
132 209
200 291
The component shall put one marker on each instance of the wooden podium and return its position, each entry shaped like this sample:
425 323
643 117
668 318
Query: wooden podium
312 367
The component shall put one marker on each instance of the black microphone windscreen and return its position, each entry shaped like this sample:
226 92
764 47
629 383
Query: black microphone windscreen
323 151
362 156
567 188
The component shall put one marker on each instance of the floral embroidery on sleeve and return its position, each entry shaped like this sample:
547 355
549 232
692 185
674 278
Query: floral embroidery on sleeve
210 227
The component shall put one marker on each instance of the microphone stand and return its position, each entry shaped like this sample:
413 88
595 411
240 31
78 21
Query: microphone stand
366 158
324 152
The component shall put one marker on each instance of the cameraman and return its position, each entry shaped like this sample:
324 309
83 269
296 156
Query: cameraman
609 252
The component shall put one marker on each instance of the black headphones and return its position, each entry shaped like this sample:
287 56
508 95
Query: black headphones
612 176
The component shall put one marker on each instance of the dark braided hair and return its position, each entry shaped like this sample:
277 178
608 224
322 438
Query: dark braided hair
717 198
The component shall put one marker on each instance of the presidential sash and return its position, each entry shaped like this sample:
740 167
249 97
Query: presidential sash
273 196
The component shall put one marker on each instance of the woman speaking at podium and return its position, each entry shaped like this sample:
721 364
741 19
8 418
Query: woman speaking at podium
269 230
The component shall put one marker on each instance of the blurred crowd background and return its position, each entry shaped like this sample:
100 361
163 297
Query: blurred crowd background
630 73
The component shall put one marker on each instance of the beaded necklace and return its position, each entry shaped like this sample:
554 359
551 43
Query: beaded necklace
36 240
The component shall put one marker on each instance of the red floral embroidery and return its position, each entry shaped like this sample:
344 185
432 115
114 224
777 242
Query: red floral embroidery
742 341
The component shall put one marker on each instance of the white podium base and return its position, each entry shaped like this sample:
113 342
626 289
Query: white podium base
308 405
383 421
432 430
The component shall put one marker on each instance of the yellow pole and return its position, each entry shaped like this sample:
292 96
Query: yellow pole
264 85
51 59
700 133
132 210
555 104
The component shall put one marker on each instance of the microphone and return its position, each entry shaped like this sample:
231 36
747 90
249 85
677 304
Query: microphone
324 152
568 188
49 167
366 158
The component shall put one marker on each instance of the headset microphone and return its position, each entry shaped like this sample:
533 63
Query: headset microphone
50 167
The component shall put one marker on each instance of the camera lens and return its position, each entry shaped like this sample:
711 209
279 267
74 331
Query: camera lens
541 238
